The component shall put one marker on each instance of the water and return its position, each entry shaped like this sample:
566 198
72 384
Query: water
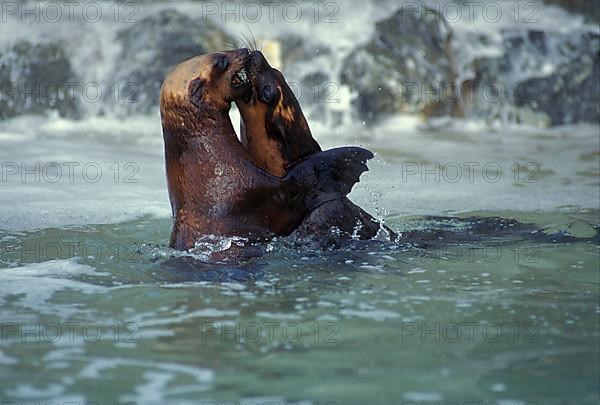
470 323
92 311
94 307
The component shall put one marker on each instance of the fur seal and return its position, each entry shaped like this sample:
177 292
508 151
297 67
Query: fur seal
276 134
214 187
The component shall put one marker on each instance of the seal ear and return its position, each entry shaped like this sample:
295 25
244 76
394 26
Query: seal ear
196 91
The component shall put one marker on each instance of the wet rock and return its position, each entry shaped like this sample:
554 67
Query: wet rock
295 48
571 93
486 95
540 79
36 78
404 68
153 46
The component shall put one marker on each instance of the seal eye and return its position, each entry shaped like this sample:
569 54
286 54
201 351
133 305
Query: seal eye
267 94
221 63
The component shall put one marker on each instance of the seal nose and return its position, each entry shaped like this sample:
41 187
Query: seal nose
258 59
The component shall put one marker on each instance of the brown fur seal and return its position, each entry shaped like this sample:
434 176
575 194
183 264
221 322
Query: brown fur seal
276 134
214 187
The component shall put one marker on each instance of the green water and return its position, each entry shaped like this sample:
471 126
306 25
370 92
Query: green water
499 321
95 309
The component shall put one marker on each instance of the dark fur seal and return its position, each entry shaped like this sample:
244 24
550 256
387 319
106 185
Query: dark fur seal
276 134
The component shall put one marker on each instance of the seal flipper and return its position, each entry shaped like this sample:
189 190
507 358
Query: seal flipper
328 175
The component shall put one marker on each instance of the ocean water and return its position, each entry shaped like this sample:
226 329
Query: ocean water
93 309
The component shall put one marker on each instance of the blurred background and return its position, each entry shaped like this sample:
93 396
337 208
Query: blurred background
526 62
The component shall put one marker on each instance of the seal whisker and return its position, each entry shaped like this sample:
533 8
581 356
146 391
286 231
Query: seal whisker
251 40
232 45
238 42
255 47
247 42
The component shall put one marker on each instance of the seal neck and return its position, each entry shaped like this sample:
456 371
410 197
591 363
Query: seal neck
198 146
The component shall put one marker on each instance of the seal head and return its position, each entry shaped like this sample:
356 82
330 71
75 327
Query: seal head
209 82
272 115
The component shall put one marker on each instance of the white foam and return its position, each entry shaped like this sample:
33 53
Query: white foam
277 315
110 171
7 360
34 285
147 319
561 178
98 365
375 314
154 388
29 391
422 396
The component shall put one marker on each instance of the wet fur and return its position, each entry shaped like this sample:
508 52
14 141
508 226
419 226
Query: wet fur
277 134
214 187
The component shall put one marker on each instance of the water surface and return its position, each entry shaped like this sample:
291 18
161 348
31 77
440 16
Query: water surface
93 309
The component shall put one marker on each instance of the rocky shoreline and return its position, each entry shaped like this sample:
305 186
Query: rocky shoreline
411 64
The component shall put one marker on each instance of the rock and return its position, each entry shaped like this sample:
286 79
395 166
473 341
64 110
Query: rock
315 79
154 45
541 79
35 79
571 93
486 95
404 68
295 48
